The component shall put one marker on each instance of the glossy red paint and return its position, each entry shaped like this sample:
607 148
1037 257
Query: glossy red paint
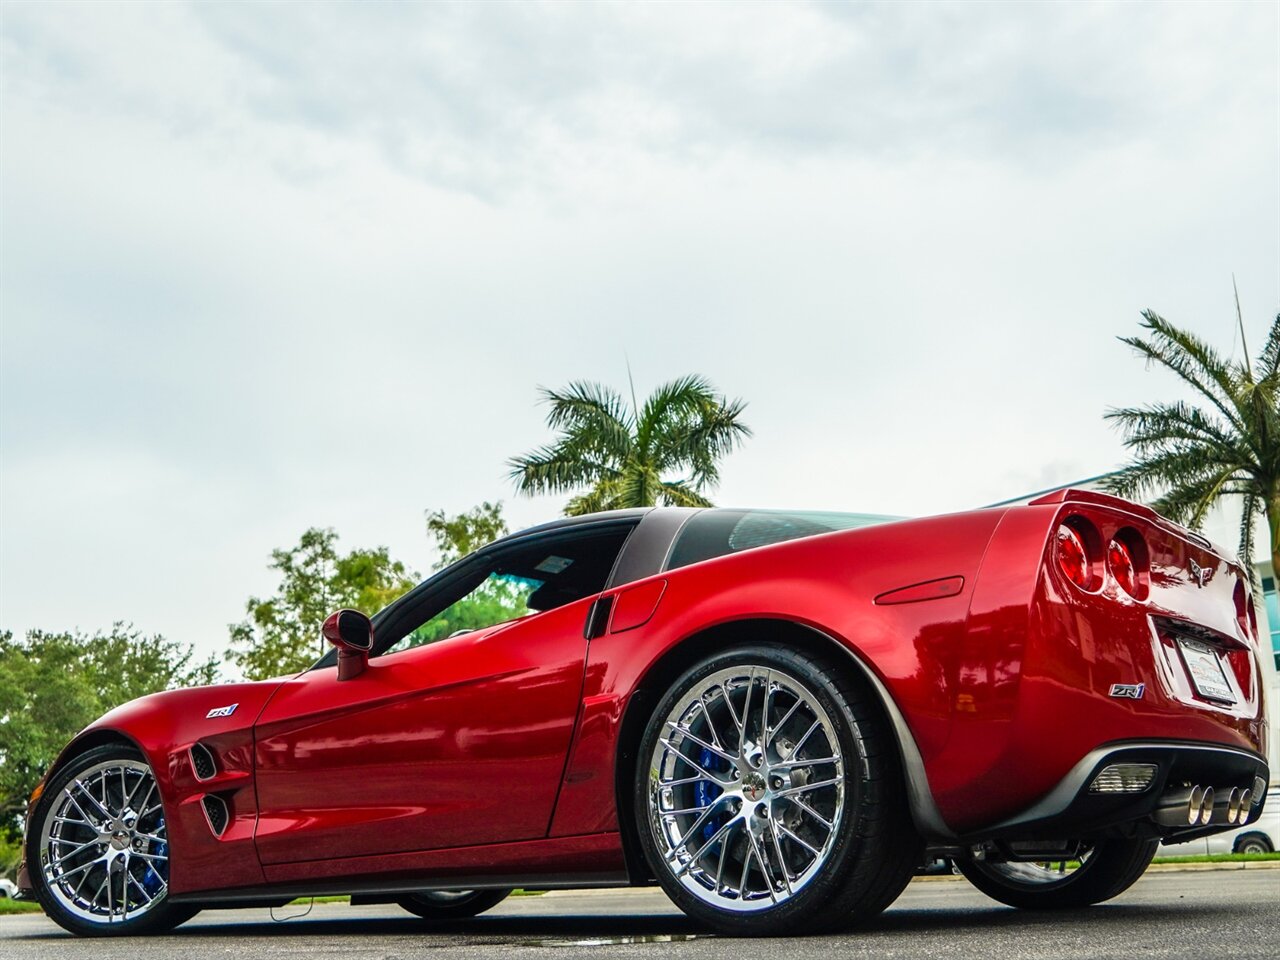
635 606
495 753
457 743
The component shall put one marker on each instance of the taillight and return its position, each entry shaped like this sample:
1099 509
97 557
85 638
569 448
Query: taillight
1246 615
1073 558
1120 563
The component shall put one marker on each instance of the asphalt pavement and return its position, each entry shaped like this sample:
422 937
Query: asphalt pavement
1202 914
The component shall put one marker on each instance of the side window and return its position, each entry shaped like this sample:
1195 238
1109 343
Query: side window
499 597
517 581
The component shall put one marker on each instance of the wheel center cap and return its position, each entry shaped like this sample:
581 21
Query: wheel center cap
753 787
119 840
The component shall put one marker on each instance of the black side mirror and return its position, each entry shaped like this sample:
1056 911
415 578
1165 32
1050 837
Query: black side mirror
352 633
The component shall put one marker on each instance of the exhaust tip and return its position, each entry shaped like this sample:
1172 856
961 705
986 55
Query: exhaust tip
1246 805
1206 807
1194 803
1232 806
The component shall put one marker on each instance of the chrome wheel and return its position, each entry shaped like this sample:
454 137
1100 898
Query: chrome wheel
746 788
104 850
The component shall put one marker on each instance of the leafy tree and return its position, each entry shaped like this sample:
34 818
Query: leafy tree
53 684
493 601
667 451
464 533
282 633
1228 445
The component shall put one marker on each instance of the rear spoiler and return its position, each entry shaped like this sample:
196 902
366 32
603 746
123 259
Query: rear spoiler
1074 495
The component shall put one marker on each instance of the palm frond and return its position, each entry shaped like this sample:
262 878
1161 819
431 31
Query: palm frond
1251 508
677 400
556 468
1158 424
1269 361
680 494
591 412
699 443
1192 360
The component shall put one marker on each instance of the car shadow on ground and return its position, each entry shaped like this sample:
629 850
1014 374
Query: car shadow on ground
563 930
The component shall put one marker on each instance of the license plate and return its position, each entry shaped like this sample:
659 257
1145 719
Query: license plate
1205 667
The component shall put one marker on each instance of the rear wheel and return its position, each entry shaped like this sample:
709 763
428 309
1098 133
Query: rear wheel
769 798
452 904
1103 870
98 847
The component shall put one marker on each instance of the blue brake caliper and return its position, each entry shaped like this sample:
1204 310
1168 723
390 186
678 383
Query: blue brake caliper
704 792
152 881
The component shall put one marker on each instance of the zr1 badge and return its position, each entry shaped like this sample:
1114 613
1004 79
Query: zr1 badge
221 711
1128 691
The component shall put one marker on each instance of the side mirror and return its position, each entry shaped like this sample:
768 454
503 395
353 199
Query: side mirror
352 633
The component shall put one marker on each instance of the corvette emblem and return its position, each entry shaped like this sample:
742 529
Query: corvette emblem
221 711
1199 575
1128 691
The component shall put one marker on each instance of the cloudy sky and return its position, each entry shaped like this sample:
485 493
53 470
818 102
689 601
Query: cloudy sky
268 266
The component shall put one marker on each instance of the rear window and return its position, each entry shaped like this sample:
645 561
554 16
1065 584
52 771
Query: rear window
716 533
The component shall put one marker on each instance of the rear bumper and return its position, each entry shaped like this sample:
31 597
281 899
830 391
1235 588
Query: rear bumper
1071 810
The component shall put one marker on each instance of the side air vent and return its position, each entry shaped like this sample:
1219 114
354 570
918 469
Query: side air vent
202 762
216 811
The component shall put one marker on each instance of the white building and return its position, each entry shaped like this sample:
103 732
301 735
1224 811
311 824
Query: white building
1222 526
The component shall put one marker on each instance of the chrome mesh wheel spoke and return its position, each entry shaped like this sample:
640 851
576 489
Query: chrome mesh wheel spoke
93 839
746 788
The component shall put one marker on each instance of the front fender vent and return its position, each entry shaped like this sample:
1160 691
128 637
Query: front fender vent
215 809
202 761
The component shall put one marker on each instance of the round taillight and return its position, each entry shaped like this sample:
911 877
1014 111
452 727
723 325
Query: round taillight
1073 557
1120 563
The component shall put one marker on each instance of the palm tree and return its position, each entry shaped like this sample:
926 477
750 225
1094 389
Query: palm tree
627 456
1228 446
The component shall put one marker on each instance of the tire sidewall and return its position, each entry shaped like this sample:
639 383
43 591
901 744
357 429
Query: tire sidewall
162 916
1104 875
846 848
461 909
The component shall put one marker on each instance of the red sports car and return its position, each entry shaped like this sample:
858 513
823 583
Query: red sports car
775 716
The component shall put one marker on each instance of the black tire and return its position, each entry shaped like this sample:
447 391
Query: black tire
1253 843
1111 868
157 918
871 851
453 904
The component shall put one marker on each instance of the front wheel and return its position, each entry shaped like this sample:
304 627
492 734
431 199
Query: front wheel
98 848
769 798
1104 870
452 904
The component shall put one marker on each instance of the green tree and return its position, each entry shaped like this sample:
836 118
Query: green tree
494 600
282 633
53 684
667 451
1190 456
463 533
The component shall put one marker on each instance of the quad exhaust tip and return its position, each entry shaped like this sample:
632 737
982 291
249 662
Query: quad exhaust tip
1200 806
